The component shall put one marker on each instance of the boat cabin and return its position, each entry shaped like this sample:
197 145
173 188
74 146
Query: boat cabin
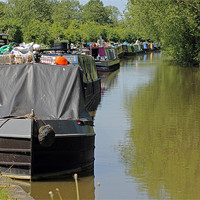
103 53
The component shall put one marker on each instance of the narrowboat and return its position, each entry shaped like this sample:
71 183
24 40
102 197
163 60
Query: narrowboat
119 50
106 58
138 48
45 129
129 50
92 84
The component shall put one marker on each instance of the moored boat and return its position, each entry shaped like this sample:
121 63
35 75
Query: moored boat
130 51
106 58
92 84
119 50
45 129
138 48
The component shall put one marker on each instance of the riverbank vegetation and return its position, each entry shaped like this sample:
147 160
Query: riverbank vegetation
174 23
5 191
47 21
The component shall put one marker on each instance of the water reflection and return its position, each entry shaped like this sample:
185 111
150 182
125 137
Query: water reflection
111 124
162 147
67 188
108 80
142 59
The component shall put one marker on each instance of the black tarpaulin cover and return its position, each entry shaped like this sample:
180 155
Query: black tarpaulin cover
52 91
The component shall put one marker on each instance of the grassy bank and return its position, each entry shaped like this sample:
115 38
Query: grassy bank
5 188
4 193
11 191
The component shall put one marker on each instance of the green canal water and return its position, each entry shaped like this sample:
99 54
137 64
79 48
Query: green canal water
147 135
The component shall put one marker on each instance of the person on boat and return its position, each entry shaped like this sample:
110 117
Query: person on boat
151 46
137 41
36 46
145 46
98 42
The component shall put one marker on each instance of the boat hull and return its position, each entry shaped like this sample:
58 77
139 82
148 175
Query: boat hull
92 94
108 65
24 157
121 55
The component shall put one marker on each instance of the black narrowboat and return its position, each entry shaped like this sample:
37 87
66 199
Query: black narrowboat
45 130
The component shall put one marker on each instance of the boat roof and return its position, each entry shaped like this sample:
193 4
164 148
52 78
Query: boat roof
86 62
51 91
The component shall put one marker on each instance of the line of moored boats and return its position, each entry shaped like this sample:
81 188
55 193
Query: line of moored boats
46 130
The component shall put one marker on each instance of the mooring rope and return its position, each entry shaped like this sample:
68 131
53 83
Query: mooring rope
6 119
4 123
46 133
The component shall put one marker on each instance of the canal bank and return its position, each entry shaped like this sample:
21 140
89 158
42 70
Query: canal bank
13 190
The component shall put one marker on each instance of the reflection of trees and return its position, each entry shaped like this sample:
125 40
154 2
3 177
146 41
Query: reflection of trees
140 58
162 150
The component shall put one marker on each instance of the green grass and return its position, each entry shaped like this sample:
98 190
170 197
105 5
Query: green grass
5 190
4 193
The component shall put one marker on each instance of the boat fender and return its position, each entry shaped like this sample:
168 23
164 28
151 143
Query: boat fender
46 135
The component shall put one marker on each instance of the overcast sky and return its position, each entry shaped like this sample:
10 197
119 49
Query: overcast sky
120 4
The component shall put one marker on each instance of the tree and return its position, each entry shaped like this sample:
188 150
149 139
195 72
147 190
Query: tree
90 31
173 22
23 11
65 11
73 32
95 11
37 31
47 21
16 34
57 32
114 14
114 34
2 10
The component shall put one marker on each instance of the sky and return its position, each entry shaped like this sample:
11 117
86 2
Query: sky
120 4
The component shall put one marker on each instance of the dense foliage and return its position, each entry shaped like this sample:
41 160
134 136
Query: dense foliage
47 21
174 23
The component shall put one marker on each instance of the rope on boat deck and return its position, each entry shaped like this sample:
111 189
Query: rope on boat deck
4 123
46 135
28 116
